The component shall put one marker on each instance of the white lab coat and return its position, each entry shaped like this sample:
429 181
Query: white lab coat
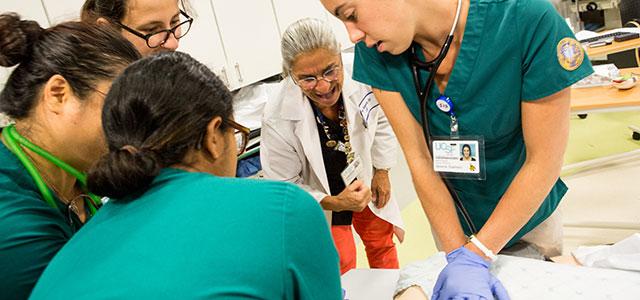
290 144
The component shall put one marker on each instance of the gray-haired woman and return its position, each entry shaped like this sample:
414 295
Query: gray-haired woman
326 133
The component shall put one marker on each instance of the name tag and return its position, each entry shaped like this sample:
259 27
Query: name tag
366 105
352 171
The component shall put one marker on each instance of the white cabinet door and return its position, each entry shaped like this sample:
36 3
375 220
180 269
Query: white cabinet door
289 11
60 11
250 38
203 40
28 10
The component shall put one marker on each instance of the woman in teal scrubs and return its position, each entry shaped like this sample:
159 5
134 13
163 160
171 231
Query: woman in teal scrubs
503 83
55 95
177 226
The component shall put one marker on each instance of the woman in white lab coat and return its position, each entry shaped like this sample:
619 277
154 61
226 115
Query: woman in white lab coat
321 129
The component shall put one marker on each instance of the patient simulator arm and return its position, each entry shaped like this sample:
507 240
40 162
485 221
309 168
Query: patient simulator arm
545 125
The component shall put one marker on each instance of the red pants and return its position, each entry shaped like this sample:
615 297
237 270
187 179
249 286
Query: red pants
377 236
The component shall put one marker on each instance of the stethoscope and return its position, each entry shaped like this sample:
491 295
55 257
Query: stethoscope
432 67
15 141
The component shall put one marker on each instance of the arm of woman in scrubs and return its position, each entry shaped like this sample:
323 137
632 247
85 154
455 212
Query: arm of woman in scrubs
545 125
433 194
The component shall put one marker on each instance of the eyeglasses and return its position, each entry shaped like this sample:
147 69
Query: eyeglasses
158 38
309 83
241 135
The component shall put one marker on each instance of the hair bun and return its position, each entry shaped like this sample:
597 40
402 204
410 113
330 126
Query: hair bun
123 172
16 38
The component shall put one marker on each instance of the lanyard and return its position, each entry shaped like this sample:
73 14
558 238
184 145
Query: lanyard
15 140
423 96
336 144
432 67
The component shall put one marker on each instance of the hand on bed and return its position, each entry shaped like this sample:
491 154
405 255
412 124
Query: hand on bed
466 276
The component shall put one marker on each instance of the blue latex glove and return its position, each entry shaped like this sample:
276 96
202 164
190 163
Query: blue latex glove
467 276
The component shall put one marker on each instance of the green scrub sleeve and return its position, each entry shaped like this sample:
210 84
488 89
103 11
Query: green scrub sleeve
310 255
552 59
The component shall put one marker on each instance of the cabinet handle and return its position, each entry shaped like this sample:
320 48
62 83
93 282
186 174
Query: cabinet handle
239 73
224 76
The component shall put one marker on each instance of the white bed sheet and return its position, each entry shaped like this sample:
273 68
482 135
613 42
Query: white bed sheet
534 279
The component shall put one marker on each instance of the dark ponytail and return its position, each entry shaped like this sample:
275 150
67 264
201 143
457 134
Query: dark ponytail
82 53
154 113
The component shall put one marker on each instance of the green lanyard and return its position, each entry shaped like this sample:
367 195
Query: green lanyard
15 140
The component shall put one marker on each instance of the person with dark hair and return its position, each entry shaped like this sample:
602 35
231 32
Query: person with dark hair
55 95
176 227
151 25
496 73
466 153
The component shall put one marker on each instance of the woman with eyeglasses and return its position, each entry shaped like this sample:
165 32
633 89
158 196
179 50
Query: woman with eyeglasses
178 225
55 95
150 25
327 134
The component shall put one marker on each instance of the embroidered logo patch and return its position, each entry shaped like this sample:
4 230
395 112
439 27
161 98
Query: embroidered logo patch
570 54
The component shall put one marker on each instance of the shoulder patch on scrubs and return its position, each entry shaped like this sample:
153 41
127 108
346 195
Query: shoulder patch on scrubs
570 54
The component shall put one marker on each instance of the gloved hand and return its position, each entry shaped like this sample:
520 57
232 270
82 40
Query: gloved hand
467 276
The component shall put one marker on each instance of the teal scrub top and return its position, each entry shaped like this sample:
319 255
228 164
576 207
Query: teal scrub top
512 51
31 231
198 236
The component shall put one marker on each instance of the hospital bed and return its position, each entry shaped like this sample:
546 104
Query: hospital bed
523 278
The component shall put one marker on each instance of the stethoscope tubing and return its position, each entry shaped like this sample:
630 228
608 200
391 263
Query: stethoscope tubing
432 67
15 140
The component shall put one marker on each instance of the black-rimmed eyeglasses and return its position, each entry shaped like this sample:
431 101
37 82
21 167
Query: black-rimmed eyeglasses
158 38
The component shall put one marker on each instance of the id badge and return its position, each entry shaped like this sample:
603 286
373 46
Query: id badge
352 171
461 158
